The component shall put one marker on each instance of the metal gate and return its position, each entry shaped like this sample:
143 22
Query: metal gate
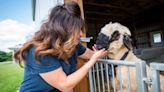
156 68
102 76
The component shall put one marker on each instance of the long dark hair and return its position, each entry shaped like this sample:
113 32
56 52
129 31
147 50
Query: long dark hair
57 34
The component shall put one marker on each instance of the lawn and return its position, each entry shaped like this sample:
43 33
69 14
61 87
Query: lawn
11 75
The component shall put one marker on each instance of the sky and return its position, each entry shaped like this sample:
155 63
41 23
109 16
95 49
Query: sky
20 10
16 23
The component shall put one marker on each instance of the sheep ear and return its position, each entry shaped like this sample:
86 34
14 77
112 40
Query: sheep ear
127 42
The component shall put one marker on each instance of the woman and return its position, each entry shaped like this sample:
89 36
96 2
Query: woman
50 57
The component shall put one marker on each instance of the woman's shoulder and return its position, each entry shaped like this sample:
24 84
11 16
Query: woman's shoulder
80 49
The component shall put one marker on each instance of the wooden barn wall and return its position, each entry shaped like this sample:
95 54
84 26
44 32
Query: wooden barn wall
145 24
92 30
142 27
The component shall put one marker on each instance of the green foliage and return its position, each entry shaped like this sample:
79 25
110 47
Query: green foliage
4 56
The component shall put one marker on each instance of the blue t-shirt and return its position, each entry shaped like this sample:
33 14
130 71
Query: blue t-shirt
32 80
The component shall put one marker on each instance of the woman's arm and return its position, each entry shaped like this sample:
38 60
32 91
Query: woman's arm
87 54
64 83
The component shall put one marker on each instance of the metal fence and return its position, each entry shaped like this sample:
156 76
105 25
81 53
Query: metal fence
156 68
102 76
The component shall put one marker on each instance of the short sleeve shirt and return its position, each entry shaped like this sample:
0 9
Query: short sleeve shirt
32 80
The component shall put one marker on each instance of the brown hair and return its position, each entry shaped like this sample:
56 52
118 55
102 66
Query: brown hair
57 34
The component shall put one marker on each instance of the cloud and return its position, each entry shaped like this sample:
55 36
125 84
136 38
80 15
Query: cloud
13 33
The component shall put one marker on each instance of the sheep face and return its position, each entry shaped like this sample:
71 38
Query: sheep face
113 36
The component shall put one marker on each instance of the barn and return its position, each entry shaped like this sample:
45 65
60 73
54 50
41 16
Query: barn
144 18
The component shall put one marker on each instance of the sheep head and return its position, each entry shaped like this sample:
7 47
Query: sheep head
114 36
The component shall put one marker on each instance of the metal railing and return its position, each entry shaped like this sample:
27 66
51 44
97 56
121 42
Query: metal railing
156 68
102 76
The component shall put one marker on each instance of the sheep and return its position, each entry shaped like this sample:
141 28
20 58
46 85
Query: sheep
115 38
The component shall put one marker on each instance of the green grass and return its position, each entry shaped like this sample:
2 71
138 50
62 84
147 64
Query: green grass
11 75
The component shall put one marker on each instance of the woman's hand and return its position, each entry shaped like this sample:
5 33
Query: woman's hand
98 54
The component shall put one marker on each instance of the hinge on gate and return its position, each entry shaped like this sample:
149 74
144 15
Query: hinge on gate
148 81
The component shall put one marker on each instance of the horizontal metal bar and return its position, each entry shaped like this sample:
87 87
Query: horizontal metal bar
117 62
157 66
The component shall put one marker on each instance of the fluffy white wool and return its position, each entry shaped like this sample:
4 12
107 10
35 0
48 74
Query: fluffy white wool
108 29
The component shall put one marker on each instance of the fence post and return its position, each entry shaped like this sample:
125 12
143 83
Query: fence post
155 76
141 75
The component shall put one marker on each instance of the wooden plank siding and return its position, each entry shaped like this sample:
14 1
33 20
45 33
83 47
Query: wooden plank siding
147 24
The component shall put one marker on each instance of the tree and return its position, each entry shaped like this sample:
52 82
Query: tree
4 56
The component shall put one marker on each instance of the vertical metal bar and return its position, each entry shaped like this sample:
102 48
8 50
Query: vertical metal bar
121 79
113 78
98 78
129 78
71 91
91 80
155 78
94 79
102 74
141 74
107 76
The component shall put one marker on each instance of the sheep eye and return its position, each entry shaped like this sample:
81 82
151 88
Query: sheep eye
115 36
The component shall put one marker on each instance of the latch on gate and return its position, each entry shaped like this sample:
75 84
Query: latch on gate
148 81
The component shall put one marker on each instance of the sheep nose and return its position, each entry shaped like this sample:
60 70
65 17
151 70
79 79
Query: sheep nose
99 47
